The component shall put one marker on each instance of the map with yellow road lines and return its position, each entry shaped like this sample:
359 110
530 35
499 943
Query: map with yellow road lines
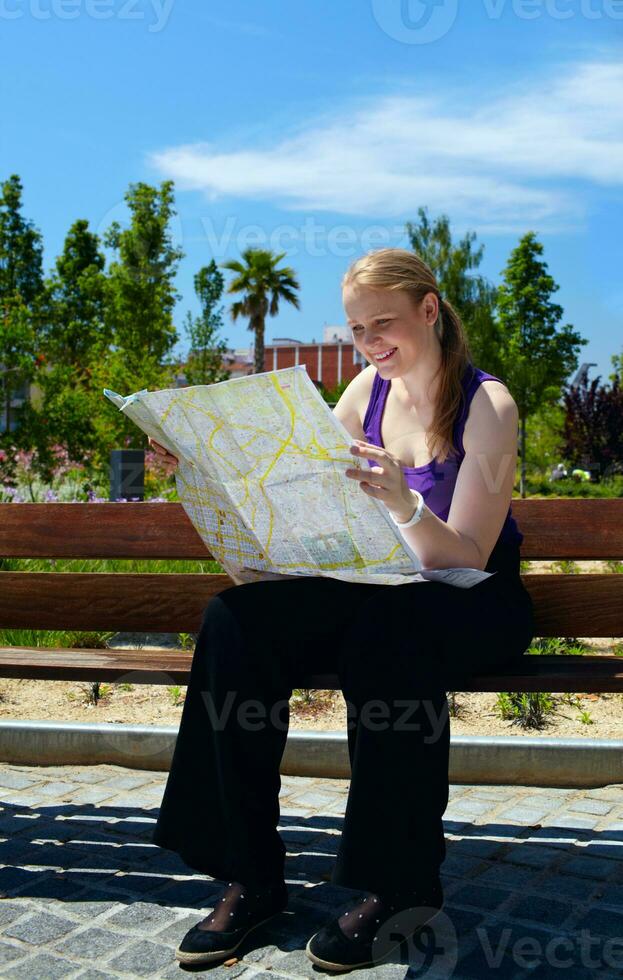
261 475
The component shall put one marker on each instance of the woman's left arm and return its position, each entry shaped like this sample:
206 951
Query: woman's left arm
482 493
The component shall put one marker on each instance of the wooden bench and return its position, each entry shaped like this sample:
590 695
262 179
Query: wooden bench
566 605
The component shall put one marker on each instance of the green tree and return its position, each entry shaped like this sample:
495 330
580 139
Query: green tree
141 294
537 354
75 299
204 364
73 336
21 247
21 281
471 295
17 352
263 285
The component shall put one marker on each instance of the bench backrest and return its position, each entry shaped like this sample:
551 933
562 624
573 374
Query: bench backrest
565 605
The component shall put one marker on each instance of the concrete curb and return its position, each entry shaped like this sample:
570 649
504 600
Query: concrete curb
505 759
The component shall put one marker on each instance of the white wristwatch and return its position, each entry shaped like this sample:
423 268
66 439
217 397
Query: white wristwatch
417 516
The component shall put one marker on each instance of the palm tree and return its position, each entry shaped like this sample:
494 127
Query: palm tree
263 285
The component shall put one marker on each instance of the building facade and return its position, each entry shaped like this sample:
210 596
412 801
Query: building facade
328 362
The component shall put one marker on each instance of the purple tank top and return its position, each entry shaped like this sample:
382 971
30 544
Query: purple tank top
435 480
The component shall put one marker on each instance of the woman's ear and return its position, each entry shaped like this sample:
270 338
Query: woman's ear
430 305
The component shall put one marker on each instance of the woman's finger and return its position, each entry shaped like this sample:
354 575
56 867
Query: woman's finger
364 475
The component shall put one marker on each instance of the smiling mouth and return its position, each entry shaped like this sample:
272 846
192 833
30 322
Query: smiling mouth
385 355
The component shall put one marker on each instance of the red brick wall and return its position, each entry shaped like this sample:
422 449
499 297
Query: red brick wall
308 355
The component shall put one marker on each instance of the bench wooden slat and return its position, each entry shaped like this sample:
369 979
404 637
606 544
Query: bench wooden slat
536 673
566 605
565 528
147 602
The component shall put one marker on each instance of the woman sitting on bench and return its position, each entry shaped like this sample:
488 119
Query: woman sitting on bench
440 439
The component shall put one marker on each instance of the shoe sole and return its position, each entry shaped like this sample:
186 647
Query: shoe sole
328 965
221 954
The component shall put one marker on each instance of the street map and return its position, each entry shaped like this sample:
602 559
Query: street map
261 475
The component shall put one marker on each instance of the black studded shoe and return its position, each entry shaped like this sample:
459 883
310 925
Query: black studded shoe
210 946
331 949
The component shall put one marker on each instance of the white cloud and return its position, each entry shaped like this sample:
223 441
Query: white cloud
505 161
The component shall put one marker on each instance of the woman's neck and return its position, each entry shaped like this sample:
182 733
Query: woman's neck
418 388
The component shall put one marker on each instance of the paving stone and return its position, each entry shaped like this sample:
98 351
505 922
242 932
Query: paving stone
90 774
11 910
91 944
14 879
17 780
40 927
507 949
91 794
91 974
507 875
546 911
142 958
460 865
567 887
588 805
91 903
561 837
589 867
534 855
466 807
610 895
56 788
606 849
53 888
480 897
10 953
189 894
603 922
142 917
316 800
525 815
479 847
44 966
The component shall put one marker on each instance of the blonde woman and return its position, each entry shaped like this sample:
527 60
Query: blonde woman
440 439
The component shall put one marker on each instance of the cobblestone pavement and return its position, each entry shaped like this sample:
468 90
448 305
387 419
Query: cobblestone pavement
533 882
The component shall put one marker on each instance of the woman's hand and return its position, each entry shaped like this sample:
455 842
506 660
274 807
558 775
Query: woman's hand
385 480
168 457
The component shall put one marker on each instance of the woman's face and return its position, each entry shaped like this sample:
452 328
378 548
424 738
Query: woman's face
389 328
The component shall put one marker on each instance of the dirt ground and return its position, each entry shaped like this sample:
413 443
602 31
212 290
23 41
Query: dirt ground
323 711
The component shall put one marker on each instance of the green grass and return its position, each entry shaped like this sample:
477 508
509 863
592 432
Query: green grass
558 645
527 710
50 639
156 566
566 566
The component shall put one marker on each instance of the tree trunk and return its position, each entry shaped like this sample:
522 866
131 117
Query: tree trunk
259 346
522 449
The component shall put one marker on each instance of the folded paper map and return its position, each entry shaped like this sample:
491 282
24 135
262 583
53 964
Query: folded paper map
261 475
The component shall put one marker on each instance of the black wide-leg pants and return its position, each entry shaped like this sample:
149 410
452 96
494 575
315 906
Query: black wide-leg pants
397 650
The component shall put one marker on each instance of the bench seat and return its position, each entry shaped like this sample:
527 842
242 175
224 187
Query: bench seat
585 673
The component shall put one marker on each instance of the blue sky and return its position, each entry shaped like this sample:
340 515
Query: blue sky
319 128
